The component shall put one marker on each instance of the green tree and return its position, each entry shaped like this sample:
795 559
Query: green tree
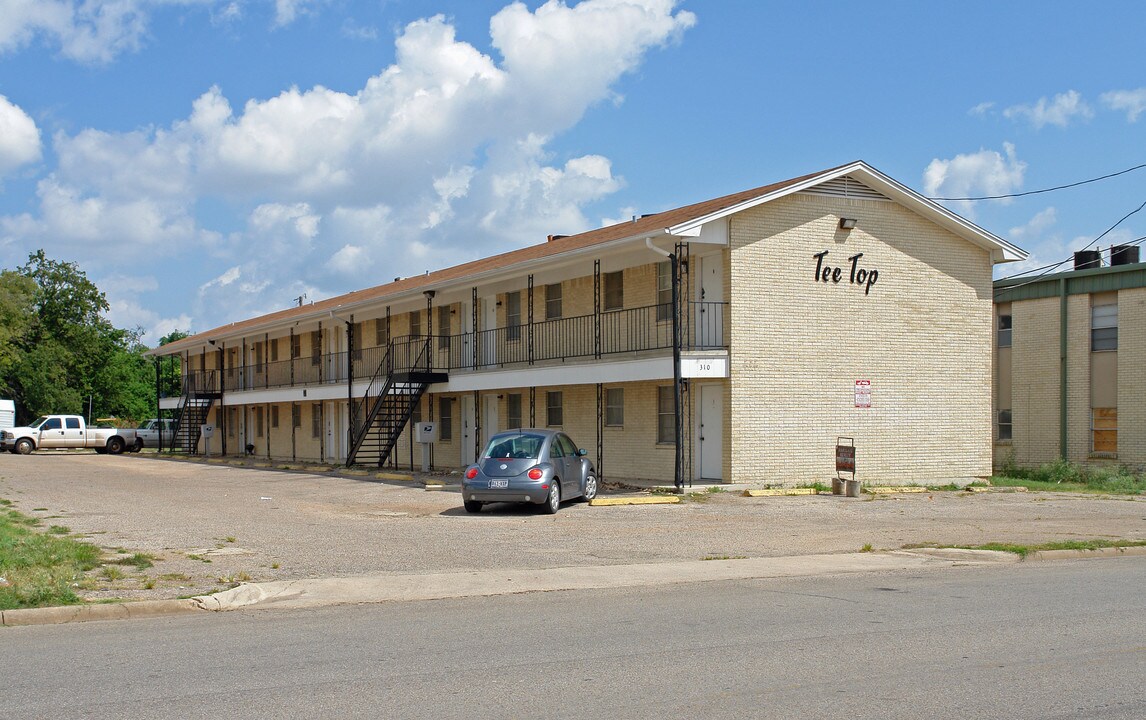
67 357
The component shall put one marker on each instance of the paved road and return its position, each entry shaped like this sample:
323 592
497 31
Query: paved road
1064 639
215 525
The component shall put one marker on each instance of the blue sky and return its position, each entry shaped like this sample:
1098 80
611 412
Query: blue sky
207 160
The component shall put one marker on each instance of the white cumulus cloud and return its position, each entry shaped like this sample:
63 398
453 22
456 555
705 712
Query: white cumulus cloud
19 137
1132 102
984 173
441 157
1060 110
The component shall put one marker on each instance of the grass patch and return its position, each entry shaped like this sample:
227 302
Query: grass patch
39 569
141 561
111 573
1025 550
193 556
59 530
866 548
1061 475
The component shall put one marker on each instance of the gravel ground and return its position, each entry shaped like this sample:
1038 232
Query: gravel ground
210 526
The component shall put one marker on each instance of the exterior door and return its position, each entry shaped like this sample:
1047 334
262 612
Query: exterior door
710 433
710 315
334 438
489 418
469 419
488 334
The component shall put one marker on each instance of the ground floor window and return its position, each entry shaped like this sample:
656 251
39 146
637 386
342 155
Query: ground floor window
445 418
1104 430
513 410
316 420
258 422
666 415
296 415
554 409
1004 424
274 416
614 407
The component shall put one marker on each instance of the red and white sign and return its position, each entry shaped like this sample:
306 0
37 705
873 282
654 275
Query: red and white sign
863 393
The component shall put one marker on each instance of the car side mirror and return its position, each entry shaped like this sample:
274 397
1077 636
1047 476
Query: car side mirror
582 452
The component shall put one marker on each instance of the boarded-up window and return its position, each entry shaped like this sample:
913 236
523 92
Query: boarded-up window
1104 429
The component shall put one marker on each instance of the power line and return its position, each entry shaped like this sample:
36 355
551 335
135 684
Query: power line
1047 269
1046 190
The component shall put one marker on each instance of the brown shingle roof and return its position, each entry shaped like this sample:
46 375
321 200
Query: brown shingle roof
640 227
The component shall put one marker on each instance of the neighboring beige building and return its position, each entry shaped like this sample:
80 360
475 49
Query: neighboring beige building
838 304
1070 364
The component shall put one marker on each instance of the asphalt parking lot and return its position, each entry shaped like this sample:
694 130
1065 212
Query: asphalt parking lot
210 526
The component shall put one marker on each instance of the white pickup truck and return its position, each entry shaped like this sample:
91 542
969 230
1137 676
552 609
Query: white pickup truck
147 434
67 431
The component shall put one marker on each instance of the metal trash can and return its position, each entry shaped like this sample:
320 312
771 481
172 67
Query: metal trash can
853 488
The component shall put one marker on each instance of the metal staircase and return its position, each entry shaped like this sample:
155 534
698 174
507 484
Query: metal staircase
199 395
377 420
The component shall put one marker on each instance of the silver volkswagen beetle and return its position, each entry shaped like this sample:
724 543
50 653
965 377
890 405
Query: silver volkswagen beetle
543 467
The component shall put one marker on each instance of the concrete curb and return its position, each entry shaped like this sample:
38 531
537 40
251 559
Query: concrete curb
779 492
88 613
1080 554
639 500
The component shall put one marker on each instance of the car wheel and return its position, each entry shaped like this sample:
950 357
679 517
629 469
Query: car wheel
137 446
553 501
24 446
115 446
590 488
472 506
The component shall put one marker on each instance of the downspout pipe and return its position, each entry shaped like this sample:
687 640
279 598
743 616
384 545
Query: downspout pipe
678 430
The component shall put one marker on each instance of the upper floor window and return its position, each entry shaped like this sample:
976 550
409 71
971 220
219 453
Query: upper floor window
382 332
553 301
416 323
274 345
664 290
1104 327
444 327
614 290
1004 331
316 347
513 315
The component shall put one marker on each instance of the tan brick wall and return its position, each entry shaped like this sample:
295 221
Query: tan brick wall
1078 438
1132 378
921 335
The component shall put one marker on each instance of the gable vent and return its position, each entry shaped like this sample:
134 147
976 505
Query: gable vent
845 187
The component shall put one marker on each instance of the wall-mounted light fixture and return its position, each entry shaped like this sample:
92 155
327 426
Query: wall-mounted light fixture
847 223
429 294
211 341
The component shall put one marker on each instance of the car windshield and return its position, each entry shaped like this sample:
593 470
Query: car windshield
39 421
516 446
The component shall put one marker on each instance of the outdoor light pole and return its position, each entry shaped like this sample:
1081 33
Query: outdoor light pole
678 475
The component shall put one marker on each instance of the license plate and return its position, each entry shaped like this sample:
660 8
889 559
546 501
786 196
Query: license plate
499 483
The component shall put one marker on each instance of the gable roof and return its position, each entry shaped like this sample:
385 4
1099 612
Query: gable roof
682 221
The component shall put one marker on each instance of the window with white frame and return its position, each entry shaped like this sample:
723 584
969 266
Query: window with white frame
1104 327
444 313
1004 331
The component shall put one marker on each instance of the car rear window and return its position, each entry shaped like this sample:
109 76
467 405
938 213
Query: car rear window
517 446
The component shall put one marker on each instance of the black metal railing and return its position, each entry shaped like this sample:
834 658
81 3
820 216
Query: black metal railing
633 330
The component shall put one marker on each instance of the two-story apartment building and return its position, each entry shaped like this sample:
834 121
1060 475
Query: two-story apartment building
1070 363
736 338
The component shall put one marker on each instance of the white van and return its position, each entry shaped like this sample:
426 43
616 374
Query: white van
7 414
